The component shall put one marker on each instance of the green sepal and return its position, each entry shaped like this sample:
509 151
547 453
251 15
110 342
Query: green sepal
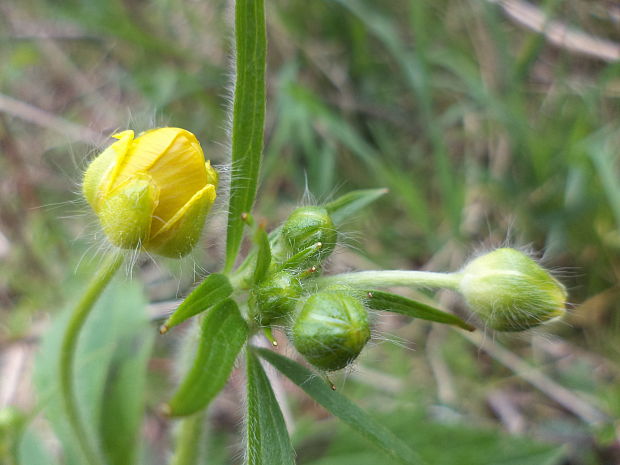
343 408
379 300
344 207
127 212
215 288
267 440
223 334
183 235
301 261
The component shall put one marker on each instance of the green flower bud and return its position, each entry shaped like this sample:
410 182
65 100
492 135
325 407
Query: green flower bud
331 330
511 292
275 298
306 227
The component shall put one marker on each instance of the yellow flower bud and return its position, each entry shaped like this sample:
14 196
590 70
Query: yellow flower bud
152 192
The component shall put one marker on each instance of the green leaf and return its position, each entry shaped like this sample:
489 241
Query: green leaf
267 438
263 257
210 292
343 408
248 118
395 303
123 398
114 346
224 331
32 451
349 204
461 443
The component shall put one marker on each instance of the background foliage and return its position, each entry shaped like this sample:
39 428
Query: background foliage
483 132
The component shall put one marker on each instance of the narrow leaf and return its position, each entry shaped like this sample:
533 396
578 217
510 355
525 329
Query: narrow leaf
263 257
224 332
349 204
117 325
343 408
378 300
248 118
125 393
266 435
210 292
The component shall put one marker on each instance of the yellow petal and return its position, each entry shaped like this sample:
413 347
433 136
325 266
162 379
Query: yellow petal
100 171
126 213
179 235
175 161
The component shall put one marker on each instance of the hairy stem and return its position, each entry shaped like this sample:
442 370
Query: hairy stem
67 354
378 279
189 440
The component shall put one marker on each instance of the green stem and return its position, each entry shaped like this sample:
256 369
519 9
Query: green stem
189 441
378 279
69 343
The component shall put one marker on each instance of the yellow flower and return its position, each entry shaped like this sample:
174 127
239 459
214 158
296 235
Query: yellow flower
152 192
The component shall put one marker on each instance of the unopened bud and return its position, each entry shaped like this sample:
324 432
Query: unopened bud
307 227
275 298
331 330
153 191
511 292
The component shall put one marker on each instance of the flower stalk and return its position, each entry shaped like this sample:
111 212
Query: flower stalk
67 355
391 278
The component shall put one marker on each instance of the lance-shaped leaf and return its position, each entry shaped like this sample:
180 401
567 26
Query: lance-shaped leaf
210 292
248 118
223 333
349 204
267 441
343 408
379 300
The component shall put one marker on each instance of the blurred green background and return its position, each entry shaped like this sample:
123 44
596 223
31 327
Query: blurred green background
484 131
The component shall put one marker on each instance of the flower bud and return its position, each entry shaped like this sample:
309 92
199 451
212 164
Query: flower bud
152 192
275 298
307 227
510 292
331 330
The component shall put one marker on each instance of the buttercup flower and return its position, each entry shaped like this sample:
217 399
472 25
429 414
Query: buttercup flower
152 192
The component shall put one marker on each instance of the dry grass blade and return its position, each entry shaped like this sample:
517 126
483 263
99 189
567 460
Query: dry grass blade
566 398
48 120
558 33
